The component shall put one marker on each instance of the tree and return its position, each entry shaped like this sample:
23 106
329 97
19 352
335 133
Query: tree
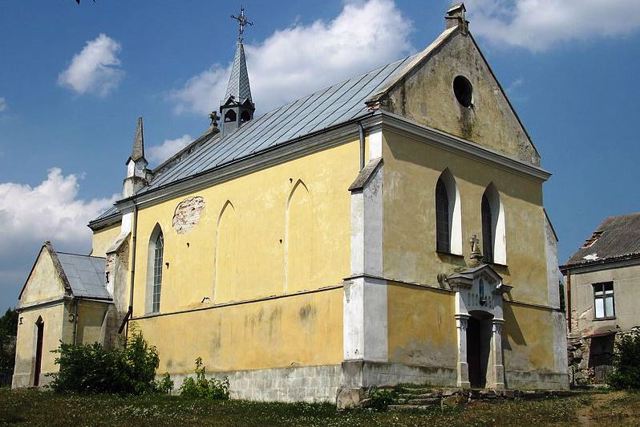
8 331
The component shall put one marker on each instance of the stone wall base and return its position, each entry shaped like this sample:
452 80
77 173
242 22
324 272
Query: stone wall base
26 380
527 380
358 373
295 384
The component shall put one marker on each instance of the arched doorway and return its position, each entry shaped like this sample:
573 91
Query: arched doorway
39 339
479 329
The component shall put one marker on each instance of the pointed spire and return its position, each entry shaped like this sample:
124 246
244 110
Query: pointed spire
137 152
238 86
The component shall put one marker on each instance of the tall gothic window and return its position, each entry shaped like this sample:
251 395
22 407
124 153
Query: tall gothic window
448 216
443 227
157 272
487 230
494 240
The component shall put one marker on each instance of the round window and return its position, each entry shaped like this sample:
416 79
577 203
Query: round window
463 90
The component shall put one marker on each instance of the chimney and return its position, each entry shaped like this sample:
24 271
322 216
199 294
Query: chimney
455 17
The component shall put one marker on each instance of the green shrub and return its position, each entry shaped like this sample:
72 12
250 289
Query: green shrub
165 385
200 386
626 362
381 398
94 369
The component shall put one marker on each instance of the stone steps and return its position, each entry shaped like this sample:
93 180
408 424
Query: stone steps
422 398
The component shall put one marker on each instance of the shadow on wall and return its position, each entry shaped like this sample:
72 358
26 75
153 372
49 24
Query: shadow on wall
512 329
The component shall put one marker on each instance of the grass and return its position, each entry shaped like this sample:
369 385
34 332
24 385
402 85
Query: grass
31 407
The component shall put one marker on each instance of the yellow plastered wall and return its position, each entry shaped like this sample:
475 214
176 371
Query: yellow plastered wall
90 322
251 250
421 327
44 283
103 239
56 328
527 346
411 172
298 330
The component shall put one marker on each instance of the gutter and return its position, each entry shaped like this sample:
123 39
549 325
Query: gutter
361 137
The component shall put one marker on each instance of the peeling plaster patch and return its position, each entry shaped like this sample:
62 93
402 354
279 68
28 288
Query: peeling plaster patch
187 214
590 257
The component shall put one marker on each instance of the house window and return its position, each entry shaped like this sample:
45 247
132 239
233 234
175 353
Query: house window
603 300
157 272
443 238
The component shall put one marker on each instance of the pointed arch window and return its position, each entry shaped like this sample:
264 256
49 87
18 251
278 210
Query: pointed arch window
493 227
157 272
443 236
487 230
448 216
155 260
230 116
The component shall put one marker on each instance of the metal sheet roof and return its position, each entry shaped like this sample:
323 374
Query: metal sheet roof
238 85
321 110
617 237
85 275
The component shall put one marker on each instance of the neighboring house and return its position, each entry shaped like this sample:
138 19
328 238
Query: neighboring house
602 293
323 248
63 300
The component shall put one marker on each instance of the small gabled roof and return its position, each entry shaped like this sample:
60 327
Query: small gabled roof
85 275
81 275
616 238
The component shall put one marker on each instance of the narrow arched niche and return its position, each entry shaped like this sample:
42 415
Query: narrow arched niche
226 255
299 239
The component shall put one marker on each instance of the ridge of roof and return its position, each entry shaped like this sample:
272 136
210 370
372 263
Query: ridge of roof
616 238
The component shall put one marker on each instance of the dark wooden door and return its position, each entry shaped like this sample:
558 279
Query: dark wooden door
36 379
474 351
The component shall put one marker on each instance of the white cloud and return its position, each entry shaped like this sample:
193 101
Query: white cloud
295 61
96 69
160 153
3 104
30 215
48 211
538 25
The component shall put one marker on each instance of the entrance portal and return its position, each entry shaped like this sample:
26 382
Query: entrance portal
478 347
38 367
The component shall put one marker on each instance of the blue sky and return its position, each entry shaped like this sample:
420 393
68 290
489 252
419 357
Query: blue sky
73 79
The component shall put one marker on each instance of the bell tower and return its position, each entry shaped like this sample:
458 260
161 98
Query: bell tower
237 107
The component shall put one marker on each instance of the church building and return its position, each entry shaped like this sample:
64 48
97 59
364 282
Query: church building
387 229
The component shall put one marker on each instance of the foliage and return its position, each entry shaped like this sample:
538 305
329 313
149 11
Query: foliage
381 398
92 368
626 362
165 385
200 386
38 408
8 331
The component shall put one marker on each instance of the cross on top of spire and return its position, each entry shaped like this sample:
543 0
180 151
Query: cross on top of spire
242 22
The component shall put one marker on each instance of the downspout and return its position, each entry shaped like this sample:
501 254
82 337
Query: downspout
569 300
75 321
134 232
361 135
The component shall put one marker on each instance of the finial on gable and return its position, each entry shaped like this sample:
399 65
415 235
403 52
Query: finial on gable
456 17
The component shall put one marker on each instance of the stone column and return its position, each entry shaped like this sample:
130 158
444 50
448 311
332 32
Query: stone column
463 366
496 351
